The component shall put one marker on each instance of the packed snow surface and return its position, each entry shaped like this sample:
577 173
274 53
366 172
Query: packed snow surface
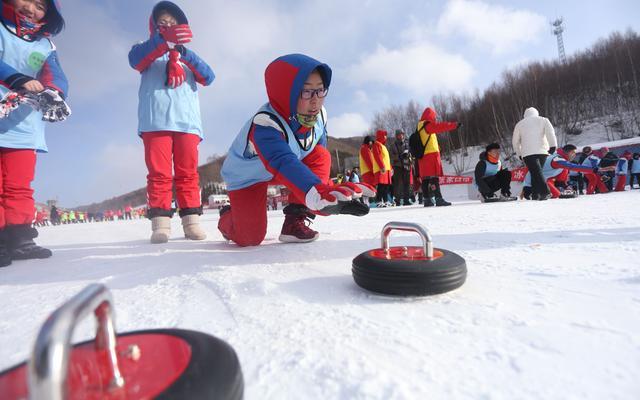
550 309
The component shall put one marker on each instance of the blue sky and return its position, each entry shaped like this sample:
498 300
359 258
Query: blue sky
381 52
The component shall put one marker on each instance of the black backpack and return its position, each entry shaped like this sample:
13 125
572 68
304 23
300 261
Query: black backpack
415 144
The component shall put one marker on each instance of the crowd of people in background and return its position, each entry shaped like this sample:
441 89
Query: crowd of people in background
56 216
404 170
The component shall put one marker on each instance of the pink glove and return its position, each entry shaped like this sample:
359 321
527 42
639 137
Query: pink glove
359 189
322 196
175 72
178 34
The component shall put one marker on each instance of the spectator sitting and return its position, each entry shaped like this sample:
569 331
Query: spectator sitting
556 172
490 176
608 163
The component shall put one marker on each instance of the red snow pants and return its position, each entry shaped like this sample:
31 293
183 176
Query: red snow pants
593 182
246 222
17 206
621 182
172 157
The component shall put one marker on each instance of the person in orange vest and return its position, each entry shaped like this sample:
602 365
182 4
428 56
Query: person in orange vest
430 164
366 162
382 167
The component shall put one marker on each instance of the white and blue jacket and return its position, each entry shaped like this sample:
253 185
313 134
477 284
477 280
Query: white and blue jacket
21 60
271 145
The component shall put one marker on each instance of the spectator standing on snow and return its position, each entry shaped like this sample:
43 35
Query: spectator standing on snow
29 64
355 175
634 169
382 168
622 168
401 162
169 121
533 140
55 216
127 211
424 146
366 162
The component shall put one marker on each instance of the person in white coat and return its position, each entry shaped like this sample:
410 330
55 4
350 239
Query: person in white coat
533 140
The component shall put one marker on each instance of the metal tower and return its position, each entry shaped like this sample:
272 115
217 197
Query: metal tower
558 29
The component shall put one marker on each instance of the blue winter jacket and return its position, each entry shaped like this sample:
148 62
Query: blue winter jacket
161 108
271 144
23 58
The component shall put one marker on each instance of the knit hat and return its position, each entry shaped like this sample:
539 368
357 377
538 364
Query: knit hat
492 146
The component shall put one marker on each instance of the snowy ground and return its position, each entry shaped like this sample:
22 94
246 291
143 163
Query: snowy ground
550 309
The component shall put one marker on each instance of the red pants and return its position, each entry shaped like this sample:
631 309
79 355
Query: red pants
246 222
593 182
621 182
164 153
16 196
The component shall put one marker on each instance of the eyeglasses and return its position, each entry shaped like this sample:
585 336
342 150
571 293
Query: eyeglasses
307 94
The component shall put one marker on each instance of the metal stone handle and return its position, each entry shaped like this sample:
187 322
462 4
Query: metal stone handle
49 361
427 244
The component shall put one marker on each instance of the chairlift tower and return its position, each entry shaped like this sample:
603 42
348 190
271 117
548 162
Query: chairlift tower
558 29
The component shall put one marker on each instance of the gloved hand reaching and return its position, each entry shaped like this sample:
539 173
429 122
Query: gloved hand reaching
321 197
176 34
359 190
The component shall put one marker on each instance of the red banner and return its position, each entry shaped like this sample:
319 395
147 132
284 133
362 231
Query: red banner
455 180
518 174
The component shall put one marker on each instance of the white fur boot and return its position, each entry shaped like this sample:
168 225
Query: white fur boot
192 229
161 229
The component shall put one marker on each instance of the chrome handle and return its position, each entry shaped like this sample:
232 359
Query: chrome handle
427 244
49 363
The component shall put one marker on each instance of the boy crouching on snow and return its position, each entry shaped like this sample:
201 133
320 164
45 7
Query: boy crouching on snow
285 143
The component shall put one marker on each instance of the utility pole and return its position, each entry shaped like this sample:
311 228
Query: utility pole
558 29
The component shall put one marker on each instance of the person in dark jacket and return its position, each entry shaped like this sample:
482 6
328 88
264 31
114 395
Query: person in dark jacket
401 163
577 178
609 161
490 176
634 169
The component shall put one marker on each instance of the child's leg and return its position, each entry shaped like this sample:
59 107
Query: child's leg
246 222
185 159
621 182
18 168
555 193
158 148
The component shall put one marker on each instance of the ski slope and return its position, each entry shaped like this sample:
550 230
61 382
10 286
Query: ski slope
550 309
